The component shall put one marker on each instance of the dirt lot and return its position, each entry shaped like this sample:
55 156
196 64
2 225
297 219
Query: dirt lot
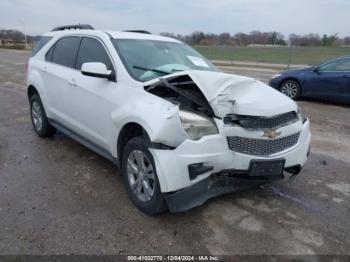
57 197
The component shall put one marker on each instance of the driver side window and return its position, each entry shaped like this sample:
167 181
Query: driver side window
91 50
339 65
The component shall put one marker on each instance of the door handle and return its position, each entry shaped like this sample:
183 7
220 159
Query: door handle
346 76
72 82
44 69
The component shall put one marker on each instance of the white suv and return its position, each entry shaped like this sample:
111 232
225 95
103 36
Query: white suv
180 130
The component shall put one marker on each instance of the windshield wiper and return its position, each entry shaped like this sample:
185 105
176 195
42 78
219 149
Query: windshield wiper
152 69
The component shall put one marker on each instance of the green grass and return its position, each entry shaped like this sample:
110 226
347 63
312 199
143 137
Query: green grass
275 55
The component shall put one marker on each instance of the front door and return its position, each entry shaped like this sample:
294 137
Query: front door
331 80
90 103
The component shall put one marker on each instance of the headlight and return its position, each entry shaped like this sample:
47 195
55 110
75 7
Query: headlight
275 76
197 126
301 115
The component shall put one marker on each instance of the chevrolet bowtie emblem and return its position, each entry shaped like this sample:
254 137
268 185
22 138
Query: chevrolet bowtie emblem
271 134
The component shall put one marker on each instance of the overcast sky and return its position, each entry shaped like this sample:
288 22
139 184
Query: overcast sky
181 16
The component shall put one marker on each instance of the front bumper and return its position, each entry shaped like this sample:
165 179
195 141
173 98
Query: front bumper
212 186
213 151
275 82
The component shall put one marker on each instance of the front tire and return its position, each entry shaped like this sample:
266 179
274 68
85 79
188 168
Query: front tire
291 88
39 119
140 177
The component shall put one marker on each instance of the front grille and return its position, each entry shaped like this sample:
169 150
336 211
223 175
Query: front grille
261 147
267 122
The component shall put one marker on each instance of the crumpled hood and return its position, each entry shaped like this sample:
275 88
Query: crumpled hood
228 93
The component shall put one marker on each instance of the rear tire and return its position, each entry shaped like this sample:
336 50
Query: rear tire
140 177
39 119
291 88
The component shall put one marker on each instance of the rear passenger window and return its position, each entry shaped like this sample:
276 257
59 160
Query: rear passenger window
91 50
65 51
43 40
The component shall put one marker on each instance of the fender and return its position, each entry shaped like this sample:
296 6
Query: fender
160 119
34 79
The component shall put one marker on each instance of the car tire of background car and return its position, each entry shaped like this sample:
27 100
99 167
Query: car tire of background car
39 119
291 88
140 177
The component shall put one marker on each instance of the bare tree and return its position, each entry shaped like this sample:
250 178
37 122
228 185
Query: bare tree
305 40
224 38
347 40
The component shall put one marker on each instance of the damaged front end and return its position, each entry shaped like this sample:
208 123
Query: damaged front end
214 185
195 113
181 90
220 95
252 135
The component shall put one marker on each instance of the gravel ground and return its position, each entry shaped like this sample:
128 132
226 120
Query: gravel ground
57 197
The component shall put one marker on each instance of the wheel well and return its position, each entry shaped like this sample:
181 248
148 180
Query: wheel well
128 132
294 79
32 91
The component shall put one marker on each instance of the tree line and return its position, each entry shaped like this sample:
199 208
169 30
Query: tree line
15 36
222 39
259 38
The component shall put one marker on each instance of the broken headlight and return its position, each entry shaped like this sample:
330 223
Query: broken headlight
197 126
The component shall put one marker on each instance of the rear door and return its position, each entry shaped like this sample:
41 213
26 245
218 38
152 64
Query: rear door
90 98
58 74
331 80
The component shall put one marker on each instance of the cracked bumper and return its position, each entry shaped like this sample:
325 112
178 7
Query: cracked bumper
212 186
213 151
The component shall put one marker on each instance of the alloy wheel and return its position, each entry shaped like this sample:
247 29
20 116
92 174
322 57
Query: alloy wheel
141 175
37 116
290 89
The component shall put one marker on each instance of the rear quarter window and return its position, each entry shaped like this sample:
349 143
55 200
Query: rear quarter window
48 55
42 42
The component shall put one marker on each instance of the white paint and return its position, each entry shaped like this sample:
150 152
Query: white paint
97 109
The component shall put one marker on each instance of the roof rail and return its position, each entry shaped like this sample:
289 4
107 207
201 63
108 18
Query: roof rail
65 27
138 31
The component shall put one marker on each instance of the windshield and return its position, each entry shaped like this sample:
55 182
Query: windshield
149 59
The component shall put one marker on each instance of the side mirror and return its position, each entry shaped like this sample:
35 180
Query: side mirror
96 69
316 69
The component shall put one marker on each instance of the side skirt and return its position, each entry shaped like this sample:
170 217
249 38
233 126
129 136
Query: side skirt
78 138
